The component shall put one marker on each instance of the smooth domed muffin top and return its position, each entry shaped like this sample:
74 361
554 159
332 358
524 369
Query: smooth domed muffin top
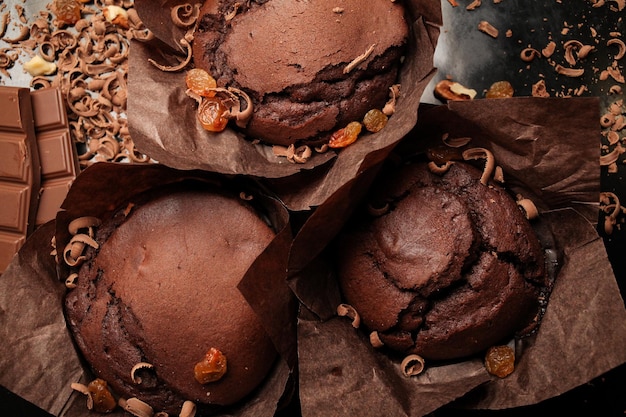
162 289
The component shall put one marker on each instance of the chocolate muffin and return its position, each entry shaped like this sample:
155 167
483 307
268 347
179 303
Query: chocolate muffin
161 289
449 268
292 59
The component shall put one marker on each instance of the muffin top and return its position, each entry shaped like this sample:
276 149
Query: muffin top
293 59
450 269
162 289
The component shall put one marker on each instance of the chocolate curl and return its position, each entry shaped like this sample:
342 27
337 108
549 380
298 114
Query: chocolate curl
157 17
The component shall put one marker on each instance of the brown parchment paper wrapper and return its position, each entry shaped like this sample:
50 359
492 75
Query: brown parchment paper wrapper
38 358
548 149
162 119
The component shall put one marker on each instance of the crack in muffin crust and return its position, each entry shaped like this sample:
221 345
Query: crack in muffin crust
450 269
291 59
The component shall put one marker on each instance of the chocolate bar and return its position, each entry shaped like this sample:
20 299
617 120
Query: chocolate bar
57 153
19 171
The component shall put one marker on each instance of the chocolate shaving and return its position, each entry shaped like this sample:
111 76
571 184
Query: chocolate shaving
620 44
134 19
614 72
474 5
612 137
488 28
92 62
529 54
7 59
612 157
549 49
457 142
575 50
63 39
231 15
611 206
4 23
390 106
569 72
23 35
359 59
299 155
185 15
570 46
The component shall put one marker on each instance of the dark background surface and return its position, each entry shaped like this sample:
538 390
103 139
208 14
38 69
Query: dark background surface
476 60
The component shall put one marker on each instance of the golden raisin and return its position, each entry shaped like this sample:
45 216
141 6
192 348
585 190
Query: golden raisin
500 361
374 120
67 11
345 136
500 89
211 114
211 368
200 82
103 401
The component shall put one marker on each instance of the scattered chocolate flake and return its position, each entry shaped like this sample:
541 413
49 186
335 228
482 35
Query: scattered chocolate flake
613 211
549 49
488 28
569 72
539 89
620 5
529 54
91 60
614 72
4 22
474 5
621 47
613 123
294 155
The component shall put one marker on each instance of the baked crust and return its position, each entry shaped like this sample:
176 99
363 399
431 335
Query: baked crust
451 269
289 57
162 289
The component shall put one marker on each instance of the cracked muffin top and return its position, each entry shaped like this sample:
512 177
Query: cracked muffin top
310 67
449 269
